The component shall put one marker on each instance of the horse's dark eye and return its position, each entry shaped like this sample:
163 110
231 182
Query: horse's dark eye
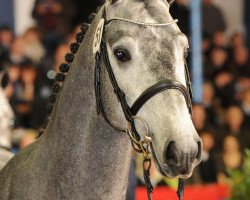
122 55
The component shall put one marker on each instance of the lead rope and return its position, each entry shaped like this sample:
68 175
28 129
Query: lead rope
180 191
146 175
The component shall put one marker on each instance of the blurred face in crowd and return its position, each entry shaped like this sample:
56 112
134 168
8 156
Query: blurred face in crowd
199 116
6 37
218 57
241 55
237 40
28 75
208 93
222 79
27 139
17 50
206 43
31 36
246 97
13 72
234 118
207 141
231 144
219 39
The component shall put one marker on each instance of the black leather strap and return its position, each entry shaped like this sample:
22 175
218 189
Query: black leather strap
117 90
99 103
157 88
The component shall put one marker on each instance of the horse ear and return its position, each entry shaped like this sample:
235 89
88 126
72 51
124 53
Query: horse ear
112 1
170 1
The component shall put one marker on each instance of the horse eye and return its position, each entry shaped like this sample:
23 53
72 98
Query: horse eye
122 55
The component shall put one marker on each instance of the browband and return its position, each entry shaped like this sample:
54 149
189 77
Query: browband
142 23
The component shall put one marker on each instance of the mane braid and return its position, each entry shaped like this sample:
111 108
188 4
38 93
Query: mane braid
64 68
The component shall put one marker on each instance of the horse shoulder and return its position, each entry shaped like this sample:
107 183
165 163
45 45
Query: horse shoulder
13 176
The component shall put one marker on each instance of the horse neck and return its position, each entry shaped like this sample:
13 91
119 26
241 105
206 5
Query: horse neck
88 150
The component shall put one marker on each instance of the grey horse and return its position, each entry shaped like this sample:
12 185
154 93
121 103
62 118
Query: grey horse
80 156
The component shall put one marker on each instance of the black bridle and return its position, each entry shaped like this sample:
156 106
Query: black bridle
131 111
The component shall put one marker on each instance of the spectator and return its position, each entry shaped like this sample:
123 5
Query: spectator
207 167
206 171
6 38
219 39
245 105
200 118
225 88
210 103
213 20
54 17
206 46
232 12
13 70
33 48
237 40
26 97
234 120
234 125
218 61
230 158
241 64
17 52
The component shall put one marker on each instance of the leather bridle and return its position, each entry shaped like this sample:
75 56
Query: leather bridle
131 112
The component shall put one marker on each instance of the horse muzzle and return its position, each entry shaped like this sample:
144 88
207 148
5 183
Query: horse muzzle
179 159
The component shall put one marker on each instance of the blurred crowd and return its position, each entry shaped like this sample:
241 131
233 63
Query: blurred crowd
31 61
222 119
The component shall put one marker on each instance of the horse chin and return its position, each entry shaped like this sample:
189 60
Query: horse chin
166 170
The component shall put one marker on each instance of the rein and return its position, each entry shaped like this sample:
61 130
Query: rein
140 144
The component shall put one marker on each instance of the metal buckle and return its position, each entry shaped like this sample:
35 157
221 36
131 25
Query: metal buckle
143 144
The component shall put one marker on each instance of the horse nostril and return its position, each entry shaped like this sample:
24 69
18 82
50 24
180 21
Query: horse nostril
171 154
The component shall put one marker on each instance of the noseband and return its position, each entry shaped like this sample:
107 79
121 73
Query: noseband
101 53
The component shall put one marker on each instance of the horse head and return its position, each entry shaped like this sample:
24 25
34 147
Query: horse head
146 49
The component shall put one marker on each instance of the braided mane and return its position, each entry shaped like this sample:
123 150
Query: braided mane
64 68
